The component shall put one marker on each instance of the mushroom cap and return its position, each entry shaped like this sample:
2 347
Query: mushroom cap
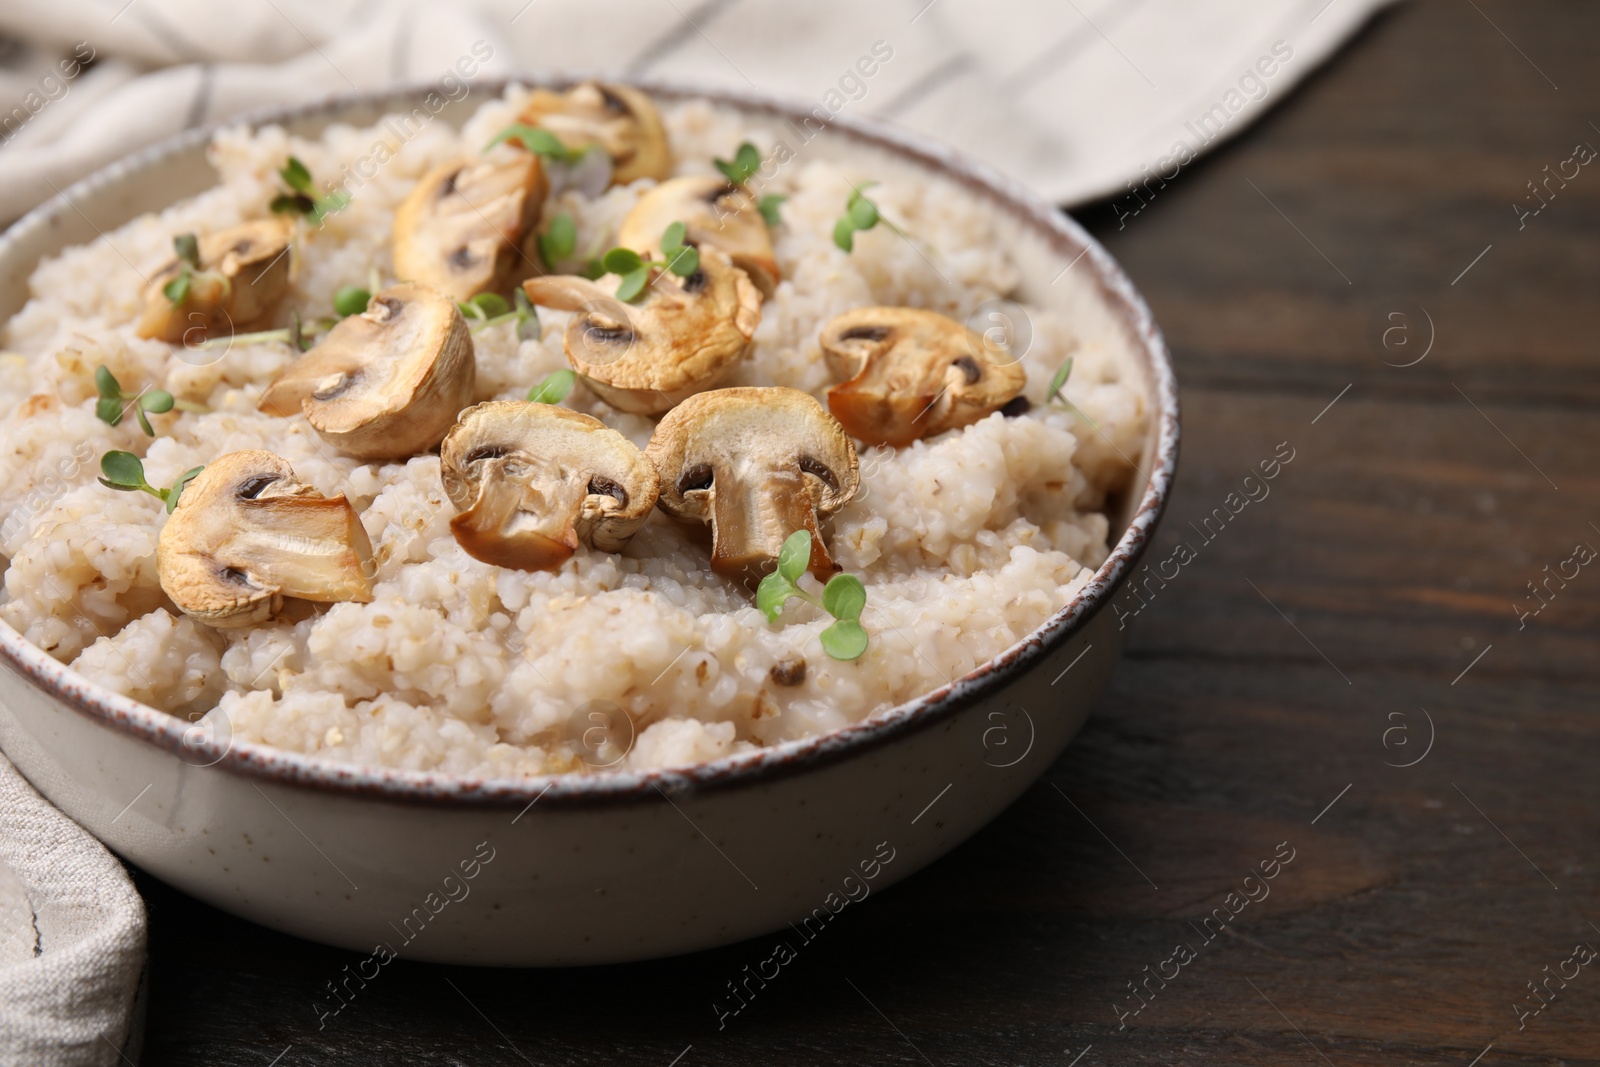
532 480
757 464
714 214
463 227
387 383
246 534
683 336
620 119
244 272
912 374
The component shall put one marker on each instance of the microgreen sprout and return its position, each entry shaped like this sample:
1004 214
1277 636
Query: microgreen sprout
559 241
682 260
740 169
1054 394
860 213
188 248
626 264
490 309
351 300
124 472
539 142
113 403
843 597
768 206
302 197
554 388
746 161
635 270
301 334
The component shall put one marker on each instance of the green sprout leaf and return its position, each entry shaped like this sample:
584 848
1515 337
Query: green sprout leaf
106 383
144 421
351 300
303 199
621 261
188 248
297 176
177 290
844 596
1056 382
772 593
122 470
633 284
1053 394
554 388
109 409
540 142
863 212
593 270
558 241
860 213
844 234
795 555
490 305
292 204
845 639
768 206
746 162
682 260
328 205
171 495
528 325
156 401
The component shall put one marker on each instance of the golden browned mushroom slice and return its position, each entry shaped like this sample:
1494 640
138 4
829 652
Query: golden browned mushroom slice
621 120
384 384
715 214
757 464
243 273
462 229
912 374
684 335
246 534
533 480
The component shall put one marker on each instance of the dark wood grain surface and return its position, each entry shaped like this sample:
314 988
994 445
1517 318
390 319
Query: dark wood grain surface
1290 666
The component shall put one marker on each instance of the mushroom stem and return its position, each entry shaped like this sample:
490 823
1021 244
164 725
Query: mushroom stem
529 523
750 525
314 547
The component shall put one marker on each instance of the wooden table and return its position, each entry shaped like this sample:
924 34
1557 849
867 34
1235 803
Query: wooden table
1363 615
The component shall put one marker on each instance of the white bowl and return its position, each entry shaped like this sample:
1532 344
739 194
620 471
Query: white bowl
602 868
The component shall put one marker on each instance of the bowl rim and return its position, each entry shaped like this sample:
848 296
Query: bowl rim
435 788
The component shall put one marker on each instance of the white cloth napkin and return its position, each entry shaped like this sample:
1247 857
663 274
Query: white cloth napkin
1076 99
1079 100
72 937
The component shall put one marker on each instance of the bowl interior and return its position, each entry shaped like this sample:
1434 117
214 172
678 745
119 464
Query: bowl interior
1063 268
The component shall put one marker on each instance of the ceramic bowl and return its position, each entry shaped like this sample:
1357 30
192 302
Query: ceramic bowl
602 868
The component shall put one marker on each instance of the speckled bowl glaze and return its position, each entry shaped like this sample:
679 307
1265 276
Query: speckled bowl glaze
602 868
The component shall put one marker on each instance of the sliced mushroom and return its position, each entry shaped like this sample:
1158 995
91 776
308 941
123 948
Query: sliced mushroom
533 480
384 384
912 374
757 464
246 534
463 228
621 120
243 273
684 335
715 214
